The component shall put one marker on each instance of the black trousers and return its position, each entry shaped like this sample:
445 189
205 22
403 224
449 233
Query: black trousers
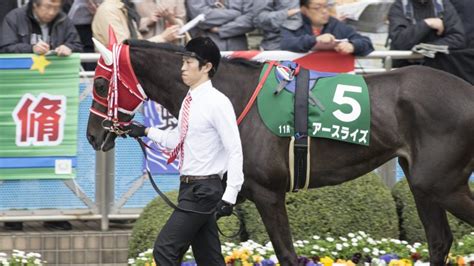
184 229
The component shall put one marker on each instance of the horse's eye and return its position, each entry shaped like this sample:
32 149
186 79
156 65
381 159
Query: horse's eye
101 87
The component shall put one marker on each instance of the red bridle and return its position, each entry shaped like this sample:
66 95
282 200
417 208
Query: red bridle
122 81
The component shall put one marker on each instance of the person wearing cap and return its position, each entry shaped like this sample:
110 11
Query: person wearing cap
208 134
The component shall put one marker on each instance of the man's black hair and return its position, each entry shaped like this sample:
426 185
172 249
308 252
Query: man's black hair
304 2
211 72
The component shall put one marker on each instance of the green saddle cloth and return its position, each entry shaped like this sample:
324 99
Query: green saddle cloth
347 109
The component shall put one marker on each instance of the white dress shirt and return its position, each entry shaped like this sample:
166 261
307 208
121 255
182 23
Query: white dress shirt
212 143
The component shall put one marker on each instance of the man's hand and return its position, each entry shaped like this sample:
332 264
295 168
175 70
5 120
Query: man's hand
223 209
63 50
41 48
171 33
436 24
164 12
135 130
344 48
292 12
326 38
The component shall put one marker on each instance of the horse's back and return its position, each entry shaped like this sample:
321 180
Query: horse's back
436 97
434 113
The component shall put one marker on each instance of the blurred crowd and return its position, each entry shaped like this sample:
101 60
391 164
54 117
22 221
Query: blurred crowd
62 27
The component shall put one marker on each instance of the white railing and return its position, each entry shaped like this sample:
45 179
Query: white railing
385 56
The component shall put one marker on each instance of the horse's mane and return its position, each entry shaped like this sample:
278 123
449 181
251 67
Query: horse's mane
178 48
154 45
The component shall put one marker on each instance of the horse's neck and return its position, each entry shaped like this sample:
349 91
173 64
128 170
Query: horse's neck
237 82
159 73
160 76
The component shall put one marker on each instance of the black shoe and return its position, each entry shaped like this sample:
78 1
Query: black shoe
58 225
15 226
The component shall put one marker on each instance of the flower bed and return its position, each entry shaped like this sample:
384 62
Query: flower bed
20 258
355 248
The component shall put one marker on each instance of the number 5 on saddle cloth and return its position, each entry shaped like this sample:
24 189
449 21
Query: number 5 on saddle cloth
298 103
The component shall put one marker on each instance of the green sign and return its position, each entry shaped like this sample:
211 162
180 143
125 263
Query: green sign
39 99
346 101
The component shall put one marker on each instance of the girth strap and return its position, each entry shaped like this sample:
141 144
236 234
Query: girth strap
301 129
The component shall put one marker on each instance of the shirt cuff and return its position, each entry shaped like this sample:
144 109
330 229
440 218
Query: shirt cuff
230 195
155 134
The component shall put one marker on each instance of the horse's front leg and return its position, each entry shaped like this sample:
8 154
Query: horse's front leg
271 206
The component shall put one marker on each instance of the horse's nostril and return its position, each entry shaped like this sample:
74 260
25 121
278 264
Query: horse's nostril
90 138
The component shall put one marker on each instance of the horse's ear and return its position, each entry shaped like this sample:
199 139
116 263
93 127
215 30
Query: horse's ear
112 37
105 53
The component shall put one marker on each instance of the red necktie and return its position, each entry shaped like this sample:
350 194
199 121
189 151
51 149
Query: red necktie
179 150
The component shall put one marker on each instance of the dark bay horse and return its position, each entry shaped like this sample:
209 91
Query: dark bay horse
422 116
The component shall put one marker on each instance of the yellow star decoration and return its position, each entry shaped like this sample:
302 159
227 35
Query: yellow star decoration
39 63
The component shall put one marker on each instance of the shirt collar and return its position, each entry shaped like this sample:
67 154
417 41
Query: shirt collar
201 89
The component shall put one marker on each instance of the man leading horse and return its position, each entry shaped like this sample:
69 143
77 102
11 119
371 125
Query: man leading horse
207 142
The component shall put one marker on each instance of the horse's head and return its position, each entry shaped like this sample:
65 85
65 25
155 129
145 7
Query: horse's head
116 95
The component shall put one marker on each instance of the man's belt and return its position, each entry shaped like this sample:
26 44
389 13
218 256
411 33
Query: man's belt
191 178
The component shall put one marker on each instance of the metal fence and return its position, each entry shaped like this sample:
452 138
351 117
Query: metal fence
112 185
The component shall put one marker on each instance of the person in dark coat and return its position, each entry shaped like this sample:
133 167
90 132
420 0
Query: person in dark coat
465 9
39 27
320 31
226 22
426 23
270 15
7 6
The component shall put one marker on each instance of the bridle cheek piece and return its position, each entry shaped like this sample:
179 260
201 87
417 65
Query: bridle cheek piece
122 80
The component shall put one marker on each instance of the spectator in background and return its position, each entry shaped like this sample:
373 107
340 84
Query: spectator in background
270 15
320 31
39 27
459 62
125 21
81 13
163 13
421 21
465 9
226 22
7 6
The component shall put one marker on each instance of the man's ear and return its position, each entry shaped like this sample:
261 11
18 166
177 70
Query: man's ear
207 67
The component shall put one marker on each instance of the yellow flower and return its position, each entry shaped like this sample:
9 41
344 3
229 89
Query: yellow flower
245 263
402 262
244 257
394 263
236 253
228 259
461 261
257 258
245 251
326 261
